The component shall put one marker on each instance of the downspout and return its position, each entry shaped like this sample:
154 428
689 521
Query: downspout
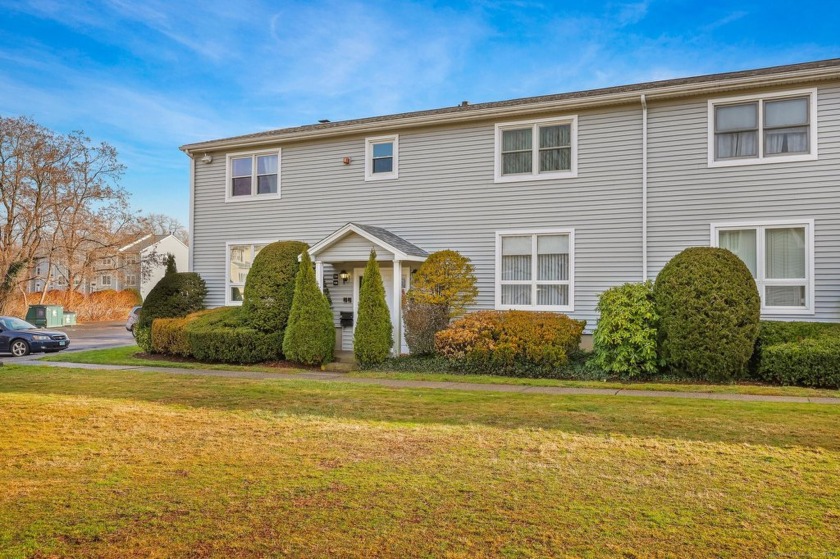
644 189
191 225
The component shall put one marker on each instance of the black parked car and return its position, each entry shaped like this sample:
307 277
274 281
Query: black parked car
20 338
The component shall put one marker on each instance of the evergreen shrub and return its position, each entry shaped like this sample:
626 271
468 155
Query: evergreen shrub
270 286
223 335
175 295
709 310
798 353
625 339
309 337
516 343
373 336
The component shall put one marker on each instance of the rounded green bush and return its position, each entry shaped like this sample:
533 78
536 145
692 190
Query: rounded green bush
310 334
270 286
222 335
175 295
625 339
709 311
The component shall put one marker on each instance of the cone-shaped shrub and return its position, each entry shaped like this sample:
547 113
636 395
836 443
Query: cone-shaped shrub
373 337
310 333
175 295
709 312
270 286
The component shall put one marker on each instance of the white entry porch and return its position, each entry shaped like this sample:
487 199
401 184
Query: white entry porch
340 260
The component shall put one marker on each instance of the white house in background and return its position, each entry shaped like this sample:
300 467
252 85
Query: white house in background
137 265
553 198
151 253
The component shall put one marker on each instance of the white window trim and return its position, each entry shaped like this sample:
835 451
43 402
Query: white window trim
535 146
369 142
228 283
229 197
811 93
498 274
808 224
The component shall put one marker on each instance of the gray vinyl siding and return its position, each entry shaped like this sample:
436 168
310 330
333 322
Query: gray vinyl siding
445 198
685 196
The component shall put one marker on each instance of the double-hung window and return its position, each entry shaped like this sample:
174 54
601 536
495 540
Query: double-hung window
536 150
382 157
253 175
780 256
535 270
775 127
240 257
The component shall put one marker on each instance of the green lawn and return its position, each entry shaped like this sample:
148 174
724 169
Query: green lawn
127 356
127 464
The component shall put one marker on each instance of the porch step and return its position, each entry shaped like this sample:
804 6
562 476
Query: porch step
339 367
345 357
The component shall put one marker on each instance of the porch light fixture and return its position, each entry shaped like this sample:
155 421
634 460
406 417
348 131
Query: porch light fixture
207 158
344 276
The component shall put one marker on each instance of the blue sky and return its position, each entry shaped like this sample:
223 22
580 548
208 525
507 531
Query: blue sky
148 76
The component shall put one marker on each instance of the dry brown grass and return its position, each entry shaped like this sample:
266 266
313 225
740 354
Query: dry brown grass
116 464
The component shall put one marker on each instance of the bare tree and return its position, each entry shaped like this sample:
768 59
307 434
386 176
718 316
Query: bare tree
33 167
61 203
162 224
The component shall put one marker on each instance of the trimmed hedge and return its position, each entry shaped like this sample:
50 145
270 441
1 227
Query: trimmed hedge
799 353
169 335
517 343
222 335
310 334
373 337
626 337
175 295
709 312
270 286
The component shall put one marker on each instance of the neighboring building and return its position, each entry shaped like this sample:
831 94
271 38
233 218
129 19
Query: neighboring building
553 198
137 265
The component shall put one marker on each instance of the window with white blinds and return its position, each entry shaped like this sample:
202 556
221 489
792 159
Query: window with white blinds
536 150
534 270
774 127
779 256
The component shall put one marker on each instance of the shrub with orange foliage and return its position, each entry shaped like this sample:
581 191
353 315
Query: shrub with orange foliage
98 306
519 343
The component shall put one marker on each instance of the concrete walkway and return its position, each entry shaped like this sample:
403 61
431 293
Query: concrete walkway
393 383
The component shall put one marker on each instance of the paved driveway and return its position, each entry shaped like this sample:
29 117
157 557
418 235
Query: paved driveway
96 335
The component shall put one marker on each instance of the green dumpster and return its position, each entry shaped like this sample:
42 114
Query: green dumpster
69 318
45 316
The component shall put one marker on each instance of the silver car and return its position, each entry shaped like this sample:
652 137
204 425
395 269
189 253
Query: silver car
132 319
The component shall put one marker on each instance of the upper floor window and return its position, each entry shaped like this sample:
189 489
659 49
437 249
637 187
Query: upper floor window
780 257
536 150
770 128
381 157
251 175
535 270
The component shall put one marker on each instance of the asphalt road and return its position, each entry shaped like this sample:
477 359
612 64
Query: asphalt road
96 335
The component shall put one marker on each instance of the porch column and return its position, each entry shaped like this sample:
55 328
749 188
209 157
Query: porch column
319 274
396 311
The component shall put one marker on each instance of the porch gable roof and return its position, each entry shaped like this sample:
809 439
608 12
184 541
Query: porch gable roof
401 249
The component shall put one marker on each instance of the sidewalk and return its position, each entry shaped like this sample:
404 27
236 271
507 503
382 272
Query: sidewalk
469 386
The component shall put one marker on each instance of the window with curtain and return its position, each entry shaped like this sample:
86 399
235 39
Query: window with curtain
778 257
534 271
762 129
535 150
240 259
253 174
